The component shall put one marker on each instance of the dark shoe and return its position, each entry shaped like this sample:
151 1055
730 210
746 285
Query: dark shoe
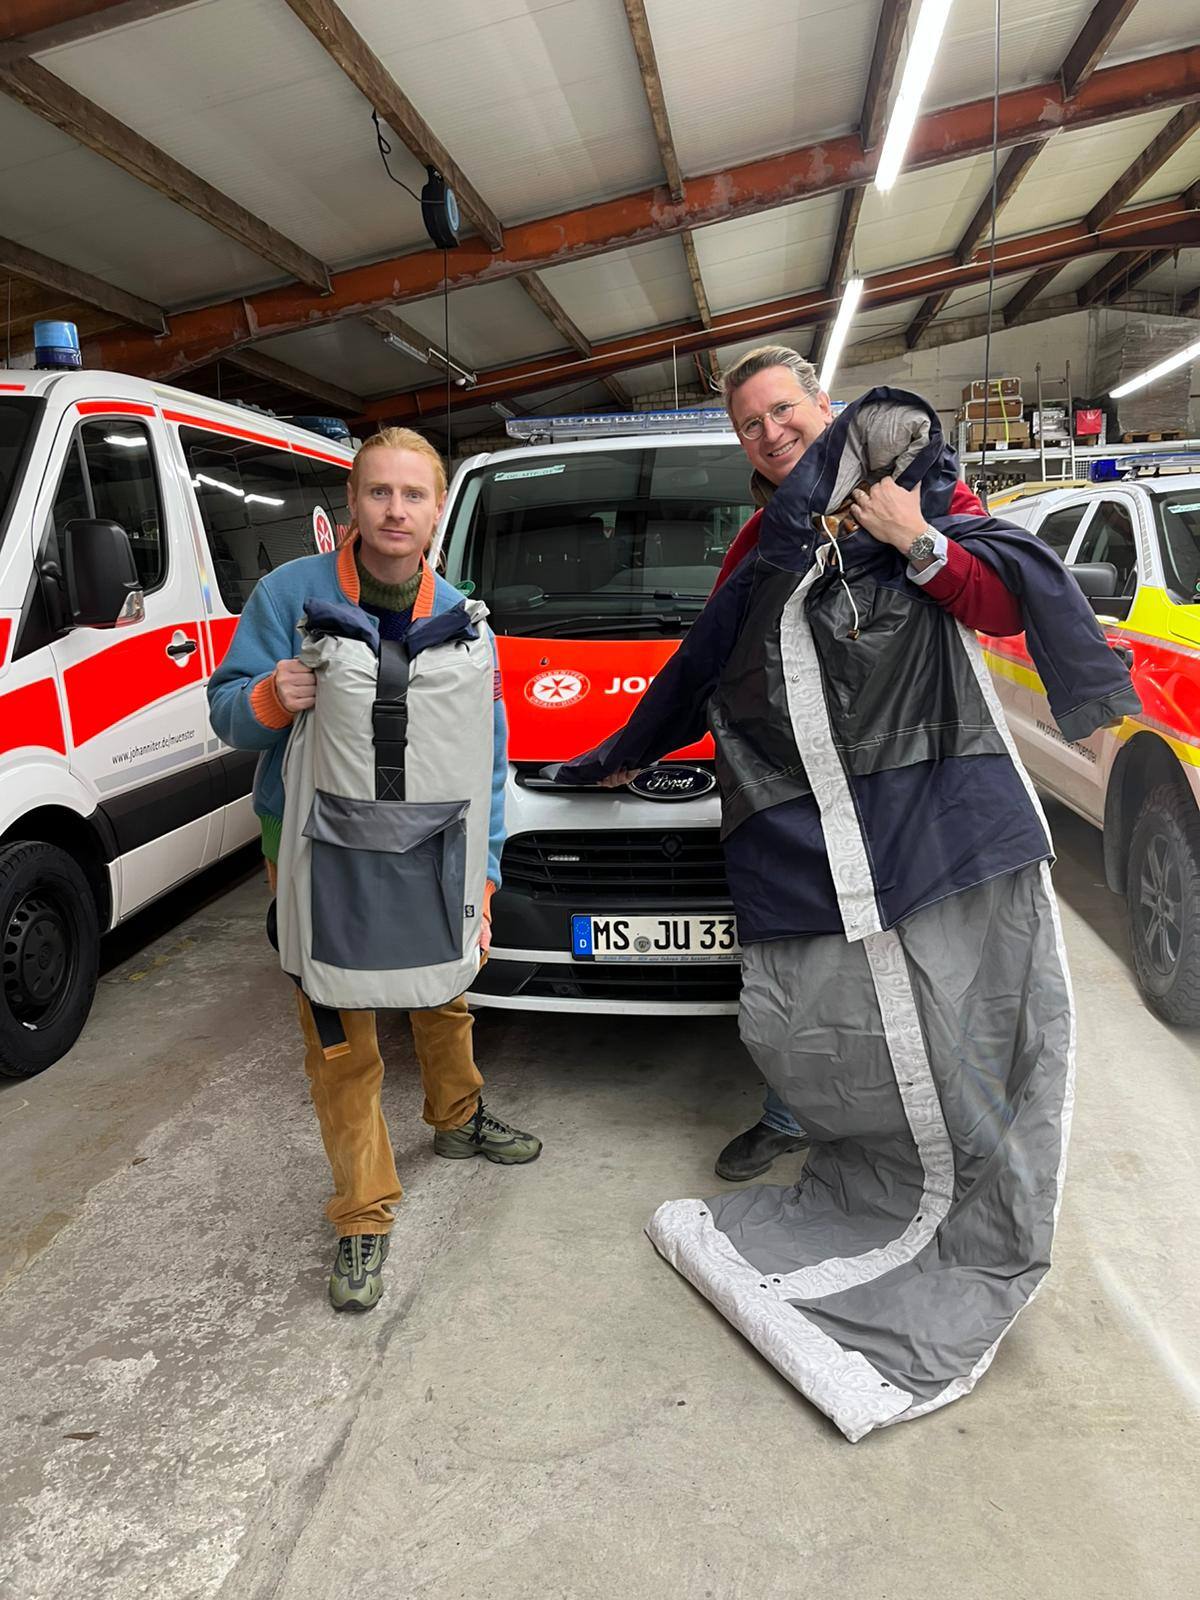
356 1281
485 1135
752 1152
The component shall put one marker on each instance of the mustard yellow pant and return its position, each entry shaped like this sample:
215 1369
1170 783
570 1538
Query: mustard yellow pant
345 1090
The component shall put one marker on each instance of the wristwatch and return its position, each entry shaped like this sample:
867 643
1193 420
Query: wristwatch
923 547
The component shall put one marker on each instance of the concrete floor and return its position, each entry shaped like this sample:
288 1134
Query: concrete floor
541 1407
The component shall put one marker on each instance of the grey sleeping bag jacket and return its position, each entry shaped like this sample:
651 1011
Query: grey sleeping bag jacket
383 858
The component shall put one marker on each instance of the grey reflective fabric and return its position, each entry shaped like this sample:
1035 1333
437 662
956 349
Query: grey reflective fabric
380 902
882 437
933 1067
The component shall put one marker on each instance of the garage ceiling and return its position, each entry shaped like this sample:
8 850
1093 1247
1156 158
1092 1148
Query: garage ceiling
647 185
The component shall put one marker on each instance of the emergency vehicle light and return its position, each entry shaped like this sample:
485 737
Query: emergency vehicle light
612 424
56 345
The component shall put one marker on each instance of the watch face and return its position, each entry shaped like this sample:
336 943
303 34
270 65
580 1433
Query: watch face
452 215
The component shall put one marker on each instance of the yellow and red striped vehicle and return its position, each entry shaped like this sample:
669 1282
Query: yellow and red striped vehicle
1134 547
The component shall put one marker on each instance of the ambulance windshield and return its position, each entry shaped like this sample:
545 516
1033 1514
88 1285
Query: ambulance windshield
1179 520
622 541
16 424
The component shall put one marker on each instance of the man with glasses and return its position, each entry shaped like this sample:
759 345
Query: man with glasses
904 988
780 410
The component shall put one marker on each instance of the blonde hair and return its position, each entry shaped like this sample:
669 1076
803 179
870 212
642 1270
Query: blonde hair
395 439
762 360
401 439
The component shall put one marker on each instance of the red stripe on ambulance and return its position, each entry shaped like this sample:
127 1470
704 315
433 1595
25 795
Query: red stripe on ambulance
5 631
222 630
31 716
127 677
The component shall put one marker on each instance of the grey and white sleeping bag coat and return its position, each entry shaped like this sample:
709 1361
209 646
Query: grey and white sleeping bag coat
383 857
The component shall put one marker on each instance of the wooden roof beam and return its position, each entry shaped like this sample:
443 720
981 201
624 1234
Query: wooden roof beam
289 377
643 44
1156 154
885 57
29 27
826 167
1106 20
91 126
553 312
889 40
1014 169
78 285
710 367
1144 228
336 35
1028 293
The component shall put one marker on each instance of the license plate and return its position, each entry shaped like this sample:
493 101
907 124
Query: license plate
711 938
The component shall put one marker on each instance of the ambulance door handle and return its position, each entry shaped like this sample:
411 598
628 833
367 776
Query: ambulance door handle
181 645
1123 652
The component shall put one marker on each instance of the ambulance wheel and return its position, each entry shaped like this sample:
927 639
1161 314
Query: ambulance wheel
49 955
1163 899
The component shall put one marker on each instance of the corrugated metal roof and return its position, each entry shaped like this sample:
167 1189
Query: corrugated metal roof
262 113
62 200
541 104
748 79
1073 170
627 289
540 100
754 259
929 210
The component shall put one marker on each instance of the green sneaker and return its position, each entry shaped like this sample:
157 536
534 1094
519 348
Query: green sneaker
486 1135
356 1281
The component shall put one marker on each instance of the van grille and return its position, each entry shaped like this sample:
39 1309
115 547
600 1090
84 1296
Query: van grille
638 864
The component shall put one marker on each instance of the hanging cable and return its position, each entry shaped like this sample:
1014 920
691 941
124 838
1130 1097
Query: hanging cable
987 346
385 150
446 342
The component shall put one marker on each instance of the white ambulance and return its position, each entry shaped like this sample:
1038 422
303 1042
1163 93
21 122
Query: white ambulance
134 522
595 544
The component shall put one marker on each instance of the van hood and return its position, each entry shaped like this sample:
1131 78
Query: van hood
563 696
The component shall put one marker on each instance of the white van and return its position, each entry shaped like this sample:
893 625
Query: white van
134 521
595 550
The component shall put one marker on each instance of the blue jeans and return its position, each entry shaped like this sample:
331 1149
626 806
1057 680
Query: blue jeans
776 1115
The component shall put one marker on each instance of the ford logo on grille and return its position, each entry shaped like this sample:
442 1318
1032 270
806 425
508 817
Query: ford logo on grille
673 783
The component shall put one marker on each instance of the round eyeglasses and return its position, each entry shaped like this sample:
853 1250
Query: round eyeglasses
780 414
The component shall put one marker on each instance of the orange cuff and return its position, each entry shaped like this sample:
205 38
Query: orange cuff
266 704
489 890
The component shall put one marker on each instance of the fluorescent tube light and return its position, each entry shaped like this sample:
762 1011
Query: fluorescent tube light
1160 371
851 295
926 37
397 343
463 376
502 410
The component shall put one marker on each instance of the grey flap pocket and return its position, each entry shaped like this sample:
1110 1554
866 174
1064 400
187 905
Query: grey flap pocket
379 824
388 881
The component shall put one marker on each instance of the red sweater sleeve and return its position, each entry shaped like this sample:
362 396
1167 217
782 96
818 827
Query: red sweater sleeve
973 595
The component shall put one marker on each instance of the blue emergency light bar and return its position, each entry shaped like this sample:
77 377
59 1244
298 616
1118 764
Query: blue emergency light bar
612 424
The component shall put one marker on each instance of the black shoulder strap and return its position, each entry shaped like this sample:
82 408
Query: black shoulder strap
389 718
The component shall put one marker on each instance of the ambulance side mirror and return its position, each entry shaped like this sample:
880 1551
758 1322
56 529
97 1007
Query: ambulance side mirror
103 587
1097 579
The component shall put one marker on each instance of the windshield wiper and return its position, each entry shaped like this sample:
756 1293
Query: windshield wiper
591 626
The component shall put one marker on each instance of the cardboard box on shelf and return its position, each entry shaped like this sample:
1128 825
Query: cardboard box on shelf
1006 388
1015 435
997 407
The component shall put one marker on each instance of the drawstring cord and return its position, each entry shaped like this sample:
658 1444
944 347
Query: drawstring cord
823 556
